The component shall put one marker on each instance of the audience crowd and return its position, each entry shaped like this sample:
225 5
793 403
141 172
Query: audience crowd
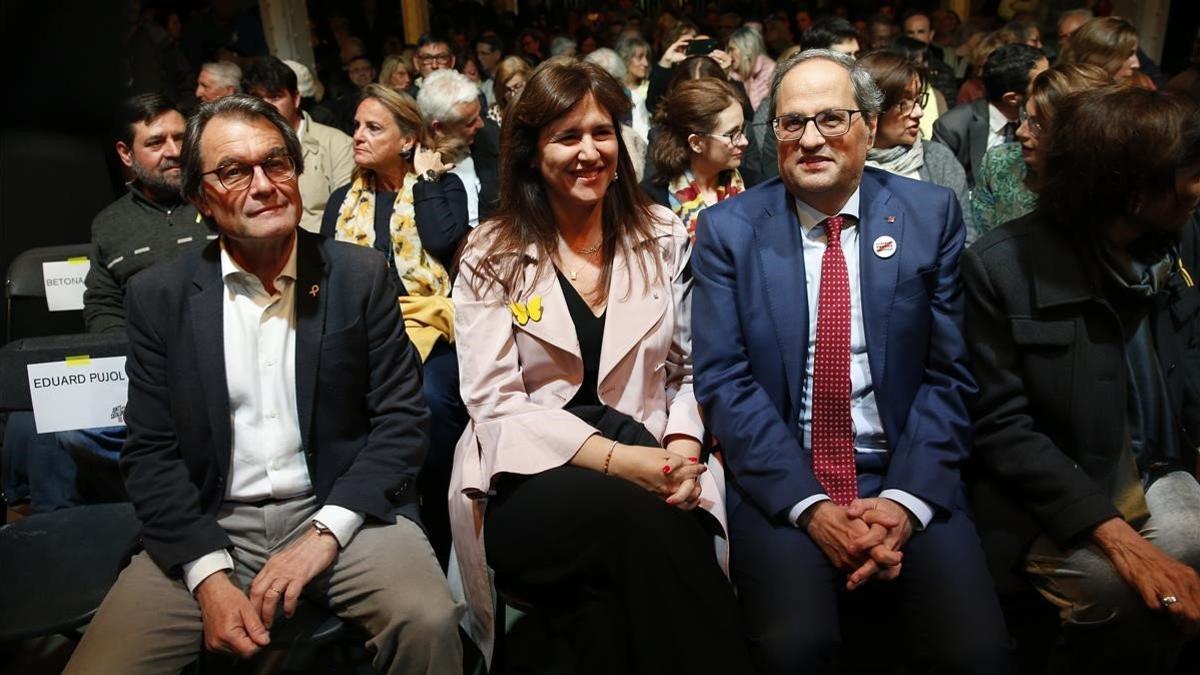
834 336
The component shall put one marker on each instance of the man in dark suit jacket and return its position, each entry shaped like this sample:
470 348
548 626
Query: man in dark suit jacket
842 461
969 130
276 427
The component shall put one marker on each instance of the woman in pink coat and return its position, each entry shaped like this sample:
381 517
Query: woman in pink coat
580 480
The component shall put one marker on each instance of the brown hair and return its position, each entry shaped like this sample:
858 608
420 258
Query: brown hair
404 111
391 64
691 107
1109 149
990 43
510 66
893 73
524 218
1106 42
1052 86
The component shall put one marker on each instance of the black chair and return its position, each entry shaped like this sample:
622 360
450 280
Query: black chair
25 311
58 566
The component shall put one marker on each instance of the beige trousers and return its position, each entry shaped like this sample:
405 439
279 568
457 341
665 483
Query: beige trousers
386 579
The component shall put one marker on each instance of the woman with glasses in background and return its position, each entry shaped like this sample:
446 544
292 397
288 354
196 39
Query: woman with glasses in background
898 147
698 148
508 83
1004 190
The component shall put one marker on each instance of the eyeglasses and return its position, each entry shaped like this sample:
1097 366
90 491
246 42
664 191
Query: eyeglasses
515 88
236 176
1035 127
830 124
905 105
733 137
443 58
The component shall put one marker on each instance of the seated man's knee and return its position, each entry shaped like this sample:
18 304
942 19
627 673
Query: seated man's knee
794 651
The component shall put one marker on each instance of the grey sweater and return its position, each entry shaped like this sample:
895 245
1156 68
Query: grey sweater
942 168
128 236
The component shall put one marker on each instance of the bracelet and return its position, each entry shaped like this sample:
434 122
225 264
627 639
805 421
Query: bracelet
609 457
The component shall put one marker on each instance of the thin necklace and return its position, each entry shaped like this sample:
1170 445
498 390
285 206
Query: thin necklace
586 252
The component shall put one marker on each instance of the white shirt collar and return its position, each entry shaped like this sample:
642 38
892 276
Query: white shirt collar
810 217
996 120
230 270
303 127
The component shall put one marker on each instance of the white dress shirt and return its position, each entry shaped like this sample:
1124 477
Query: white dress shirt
996 123
869 436
465 170
267 457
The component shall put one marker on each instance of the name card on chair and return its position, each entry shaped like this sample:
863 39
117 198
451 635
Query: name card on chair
78 393
64 281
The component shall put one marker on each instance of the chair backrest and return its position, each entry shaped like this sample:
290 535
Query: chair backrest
26 314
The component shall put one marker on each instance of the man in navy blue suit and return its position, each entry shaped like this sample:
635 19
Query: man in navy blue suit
831 364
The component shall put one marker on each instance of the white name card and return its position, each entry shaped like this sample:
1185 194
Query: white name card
64 281
78 393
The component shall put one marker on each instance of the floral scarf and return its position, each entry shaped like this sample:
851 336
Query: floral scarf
687 202
421 273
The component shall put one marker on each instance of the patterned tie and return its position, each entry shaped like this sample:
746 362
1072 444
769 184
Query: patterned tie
832 429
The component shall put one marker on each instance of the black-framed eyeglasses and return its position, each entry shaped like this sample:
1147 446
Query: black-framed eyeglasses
829 123
1035 127
733 137
236 176
443 58
905 105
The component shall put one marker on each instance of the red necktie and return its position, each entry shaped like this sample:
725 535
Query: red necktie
832 429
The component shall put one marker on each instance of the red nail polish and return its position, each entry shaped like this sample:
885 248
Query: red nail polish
666 469
693 460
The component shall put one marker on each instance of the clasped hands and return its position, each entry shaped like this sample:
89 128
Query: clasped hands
672 472
239 624
864 538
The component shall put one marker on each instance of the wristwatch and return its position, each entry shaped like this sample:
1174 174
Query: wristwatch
322 528
430 176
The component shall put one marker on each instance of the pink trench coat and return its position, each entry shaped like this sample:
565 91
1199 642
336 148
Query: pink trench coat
515 380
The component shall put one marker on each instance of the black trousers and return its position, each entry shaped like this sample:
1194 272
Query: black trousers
941 615
631 583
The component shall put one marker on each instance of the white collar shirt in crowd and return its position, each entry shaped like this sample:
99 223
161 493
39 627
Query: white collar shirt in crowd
996 124
465 170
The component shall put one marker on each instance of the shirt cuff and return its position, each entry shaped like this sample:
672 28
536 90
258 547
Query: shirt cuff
915 505
802 506
205 566
341 521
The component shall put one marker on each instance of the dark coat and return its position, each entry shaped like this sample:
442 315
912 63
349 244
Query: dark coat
964 129
363 419
1048 354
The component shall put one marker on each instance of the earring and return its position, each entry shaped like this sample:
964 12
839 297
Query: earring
615 176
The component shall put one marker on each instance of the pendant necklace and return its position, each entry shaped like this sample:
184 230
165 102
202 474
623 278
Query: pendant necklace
584 253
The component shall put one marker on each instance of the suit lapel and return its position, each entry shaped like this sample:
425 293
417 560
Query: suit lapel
877 275
310 298
206 306
555 327
979 137
633 310
781 257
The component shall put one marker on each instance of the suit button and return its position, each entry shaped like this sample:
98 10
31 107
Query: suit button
1170 367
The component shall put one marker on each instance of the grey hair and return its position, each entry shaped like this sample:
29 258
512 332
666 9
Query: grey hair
867 95
1085 14
561 45
242 106
750 45
608 60
228 74
441 91
628 45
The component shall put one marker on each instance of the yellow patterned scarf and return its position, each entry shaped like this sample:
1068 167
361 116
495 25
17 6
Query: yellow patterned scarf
421 273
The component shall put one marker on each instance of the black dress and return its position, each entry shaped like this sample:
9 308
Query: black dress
631 584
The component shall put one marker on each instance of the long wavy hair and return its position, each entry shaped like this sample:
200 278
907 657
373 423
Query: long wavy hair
524 218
